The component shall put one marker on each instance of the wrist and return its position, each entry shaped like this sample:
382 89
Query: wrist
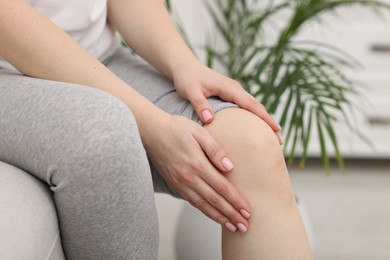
181 62
151 125
184 67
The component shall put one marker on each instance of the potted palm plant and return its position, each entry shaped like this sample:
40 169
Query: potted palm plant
303 82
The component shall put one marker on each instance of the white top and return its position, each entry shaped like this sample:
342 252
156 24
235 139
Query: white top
84 20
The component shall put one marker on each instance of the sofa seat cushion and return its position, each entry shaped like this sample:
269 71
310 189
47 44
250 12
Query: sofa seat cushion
28 220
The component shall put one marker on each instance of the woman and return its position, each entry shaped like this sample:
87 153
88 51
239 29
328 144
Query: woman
97 124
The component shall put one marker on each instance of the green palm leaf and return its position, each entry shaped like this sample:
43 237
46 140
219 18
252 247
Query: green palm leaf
302 81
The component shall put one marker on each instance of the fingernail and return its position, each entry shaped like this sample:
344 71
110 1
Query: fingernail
227 164
206 115
280 138
242 227
230 226
245 213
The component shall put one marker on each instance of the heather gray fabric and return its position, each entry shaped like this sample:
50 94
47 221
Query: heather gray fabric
84 143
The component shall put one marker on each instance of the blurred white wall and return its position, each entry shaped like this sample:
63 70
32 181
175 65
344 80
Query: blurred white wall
196 21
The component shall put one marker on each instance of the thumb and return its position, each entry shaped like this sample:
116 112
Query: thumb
202 106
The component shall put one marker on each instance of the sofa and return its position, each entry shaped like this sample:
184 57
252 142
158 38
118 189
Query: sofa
28 220
29 227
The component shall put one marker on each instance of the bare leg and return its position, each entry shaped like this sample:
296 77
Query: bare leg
275 227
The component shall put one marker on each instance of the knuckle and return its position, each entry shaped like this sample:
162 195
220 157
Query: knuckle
199 101
233 215
214 201
221 219
221 189
216 91
255 102
184 177
216 149
202 131
196 166
236 83
199 204
254 105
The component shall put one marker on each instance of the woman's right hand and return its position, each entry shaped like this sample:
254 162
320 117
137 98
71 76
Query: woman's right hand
191 162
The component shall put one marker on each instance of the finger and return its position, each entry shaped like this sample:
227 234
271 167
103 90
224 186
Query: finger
229 192
216 183
249 103
222 205
216 187
236 94
201 105
267 118
213 150
280 138
207 209
258 109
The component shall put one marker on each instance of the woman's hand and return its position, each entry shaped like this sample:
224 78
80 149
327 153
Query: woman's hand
191 162
197 82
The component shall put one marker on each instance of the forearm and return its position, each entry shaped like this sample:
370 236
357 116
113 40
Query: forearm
38 48
147 27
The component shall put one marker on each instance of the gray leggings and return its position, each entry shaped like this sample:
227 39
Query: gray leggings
84 143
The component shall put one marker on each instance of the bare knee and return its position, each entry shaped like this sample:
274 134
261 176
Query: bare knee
256 153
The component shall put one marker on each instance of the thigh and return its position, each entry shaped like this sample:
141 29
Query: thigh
44 123
155 86
85 144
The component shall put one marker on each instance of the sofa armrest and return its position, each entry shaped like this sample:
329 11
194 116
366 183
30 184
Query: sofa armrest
28 219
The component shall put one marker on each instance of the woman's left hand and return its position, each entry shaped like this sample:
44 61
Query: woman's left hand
197 82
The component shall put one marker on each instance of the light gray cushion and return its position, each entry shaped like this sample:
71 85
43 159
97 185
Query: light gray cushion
28 220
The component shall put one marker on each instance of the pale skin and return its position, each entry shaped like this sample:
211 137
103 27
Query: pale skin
248 193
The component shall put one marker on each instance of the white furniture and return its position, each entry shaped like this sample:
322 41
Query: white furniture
28 219
365 37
